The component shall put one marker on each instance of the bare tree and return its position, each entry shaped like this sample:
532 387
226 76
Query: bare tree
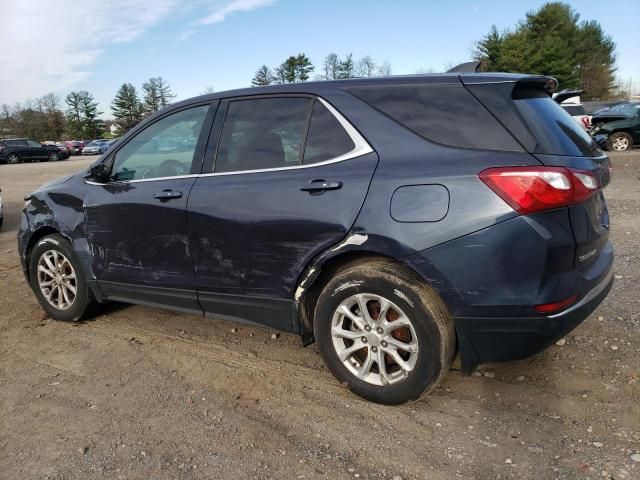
366 67
384 69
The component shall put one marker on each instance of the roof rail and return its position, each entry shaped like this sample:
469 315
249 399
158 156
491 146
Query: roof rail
467 67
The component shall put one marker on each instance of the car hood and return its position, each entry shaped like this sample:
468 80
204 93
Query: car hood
57 181
611 117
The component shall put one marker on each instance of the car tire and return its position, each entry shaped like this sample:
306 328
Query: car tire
619 142
13 159
426 332
54 157
54 272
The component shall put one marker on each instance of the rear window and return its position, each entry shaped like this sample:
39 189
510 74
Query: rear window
554 130
574 110
445 114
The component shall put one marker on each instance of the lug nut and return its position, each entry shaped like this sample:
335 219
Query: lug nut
374 349
379 330
364 339
367 328
384 344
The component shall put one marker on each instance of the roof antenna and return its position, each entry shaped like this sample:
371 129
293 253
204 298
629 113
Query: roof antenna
467 67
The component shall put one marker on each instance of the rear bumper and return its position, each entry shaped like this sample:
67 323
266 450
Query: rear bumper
501 339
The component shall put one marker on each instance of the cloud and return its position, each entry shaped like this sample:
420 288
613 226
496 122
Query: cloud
50 45
222 10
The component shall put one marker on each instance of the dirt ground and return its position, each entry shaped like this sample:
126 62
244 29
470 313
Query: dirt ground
141 393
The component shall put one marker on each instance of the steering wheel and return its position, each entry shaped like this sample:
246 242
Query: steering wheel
171 168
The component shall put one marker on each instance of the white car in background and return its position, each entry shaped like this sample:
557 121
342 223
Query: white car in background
569 100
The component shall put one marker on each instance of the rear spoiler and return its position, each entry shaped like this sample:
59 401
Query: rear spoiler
467 67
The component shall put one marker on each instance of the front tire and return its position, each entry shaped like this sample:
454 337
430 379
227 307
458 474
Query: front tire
54 157
383 333
619 142
58 281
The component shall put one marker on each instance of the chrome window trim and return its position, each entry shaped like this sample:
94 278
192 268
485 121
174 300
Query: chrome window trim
361 147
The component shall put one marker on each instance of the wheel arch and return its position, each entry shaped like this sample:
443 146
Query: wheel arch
320 271
36 236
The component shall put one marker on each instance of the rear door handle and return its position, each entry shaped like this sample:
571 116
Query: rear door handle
321 186
165 195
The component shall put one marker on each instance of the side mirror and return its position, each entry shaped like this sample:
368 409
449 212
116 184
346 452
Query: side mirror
101 172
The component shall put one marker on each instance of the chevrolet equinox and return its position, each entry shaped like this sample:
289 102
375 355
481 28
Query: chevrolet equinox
396 221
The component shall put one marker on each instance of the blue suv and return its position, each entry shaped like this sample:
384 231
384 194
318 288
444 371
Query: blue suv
396 221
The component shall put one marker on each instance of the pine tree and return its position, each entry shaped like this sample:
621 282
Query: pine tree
82 115
156 95
264 76
550 41
303 67
287 71
346 68
126 107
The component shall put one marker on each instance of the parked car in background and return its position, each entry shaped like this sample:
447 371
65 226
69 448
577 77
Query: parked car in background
75 147
617 128
16 150
569 100
64 151
97 147
394 221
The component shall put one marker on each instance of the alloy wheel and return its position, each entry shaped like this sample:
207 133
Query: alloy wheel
13 159
57 279
374 339
620 144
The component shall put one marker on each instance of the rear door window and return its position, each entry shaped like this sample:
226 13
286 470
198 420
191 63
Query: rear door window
327 139
445 114
263 133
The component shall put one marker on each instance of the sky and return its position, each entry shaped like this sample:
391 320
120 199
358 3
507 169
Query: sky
96 45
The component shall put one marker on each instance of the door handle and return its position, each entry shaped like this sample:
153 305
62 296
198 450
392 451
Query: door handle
321 186
165 195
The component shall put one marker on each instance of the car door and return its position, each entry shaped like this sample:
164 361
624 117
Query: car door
21 148
289 179
36 151
136 223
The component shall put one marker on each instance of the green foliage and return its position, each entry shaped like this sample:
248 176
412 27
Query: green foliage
82 116
550 41
156 95
346 68
126 108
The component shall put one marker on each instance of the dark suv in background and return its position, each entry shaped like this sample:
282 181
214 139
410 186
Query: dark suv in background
394 221
16 150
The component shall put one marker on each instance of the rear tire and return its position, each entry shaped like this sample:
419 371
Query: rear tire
13 158
619 142
375 359
58 281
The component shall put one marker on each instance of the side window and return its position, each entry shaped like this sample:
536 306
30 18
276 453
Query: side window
31 143
262 133
327 138
164 149
17 143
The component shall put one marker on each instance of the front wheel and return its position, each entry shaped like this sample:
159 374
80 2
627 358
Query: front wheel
383 333
58 281
620 142
54 157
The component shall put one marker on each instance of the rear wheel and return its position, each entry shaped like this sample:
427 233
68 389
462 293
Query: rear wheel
383 333
619 142
58 281
13 158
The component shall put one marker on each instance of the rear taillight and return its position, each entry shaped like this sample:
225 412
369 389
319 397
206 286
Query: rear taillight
556 306
534 189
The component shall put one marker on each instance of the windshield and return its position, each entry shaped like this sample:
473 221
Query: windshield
94 144
626 109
